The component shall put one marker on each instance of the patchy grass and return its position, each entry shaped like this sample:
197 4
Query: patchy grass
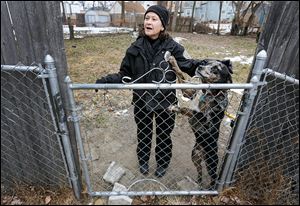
92 57
37 195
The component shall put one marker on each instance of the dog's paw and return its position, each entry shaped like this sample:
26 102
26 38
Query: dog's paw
172 59
173 108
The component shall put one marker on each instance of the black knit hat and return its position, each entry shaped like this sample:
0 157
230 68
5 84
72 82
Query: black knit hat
162 12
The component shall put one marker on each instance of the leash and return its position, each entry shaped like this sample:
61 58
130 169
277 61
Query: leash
231 116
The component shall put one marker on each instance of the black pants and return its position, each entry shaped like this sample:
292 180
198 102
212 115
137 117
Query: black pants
164 125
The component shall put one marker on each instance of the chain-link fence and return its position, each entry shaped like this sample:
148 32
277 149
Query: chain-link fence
31 150
268 167
129 140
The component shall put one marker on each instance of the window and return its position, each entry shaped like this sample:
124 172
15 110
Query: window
103 19
90 18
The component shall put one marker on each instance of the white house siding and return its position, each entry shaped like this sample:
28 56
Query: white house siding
147 4
209 10
116 9
97 18
75 8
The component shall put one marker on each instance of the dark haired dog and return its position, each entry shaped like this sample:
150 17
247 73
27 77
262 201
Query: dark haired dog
206 119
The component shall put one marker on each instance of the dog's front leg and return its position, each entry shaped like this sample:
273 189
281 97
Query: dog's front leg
197 155
188 93
182 110
175 67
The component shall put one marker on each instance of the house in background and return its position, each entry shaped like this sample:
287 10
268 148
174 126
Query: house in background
73 10
208 10
97 18
134 13
147 4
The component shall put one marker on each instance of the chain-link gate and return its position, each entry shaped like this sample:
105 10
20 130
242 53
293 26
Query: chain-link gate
268 166
131 146
30 150
35 148
110 135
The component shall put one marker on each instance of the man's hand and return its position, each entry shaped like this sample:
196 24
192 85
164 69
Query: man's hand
100 81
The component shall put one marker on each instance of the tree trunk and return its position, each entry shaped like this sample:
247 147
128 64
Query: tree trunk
236 25
162 3
220 12
123 14
175 16
170 8
192 19
64 13
251 18
71 28
179 18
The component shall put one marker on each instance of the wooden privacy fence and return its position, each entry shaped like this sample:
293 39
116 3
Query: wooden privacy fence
30 149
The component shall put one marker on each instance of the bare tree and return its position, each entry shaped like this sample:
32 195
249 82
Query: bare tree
192 18
254 6
162 3
170 7
71 28
179 17
123 13
220 12
175 16
64 13
82 3
239 25
236 22
105 5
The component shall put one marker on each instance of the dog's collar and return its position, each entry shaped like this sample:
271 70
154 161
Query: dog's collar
202 98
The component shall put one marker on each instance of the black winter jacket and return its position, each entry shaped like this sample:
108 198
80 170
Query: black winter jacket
135 64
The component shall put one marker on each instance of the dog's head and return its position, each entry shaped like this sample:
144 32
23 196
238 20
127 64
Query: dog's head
215 71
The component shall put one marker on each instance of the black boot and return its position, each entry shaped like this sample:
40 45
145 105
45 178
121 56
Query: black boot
160 171
144 169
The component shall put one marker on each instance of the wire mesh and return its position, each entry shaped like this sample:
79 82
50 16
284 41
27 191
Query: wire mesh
30 148
148 148
268 167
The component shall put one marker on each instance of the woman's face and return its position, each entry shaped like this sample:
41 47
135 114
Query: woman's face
152 25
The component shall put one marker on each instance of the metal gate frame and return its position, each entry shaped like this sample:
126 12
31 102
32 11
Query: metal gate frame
57 114
236 139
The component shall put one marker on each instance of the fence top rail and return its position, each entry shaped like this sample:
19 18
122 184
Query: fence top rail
281 76
36 69
161 86
140 193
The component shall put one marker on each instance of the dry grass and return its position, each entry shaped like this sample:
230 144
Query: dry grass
38 195
93 57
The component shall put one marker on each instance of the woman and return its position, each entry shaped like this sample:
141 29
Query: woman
146 53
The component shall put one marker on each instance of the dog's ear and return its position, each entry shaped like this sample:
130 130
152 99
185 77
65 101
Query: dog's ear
227 62
229 78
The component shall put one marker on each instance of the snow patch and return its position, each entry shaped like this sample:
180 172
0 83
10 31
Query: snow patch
242 59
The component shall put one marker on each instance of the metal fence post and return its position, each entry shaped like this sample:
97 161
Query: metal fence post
75 120
238 134
62 126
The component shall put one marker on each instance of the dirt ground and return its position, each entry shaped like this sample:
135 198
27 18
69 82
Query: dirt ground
108 128
109 135
107 122
30 195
